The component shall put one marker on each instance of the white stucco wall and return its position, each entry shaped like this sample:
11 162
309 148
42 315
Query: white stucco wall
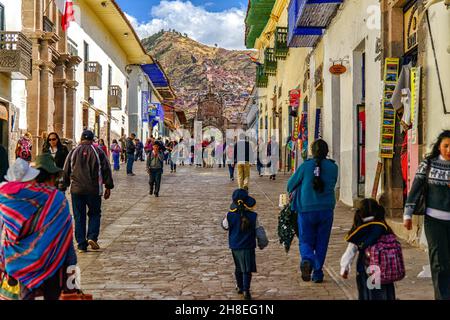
348 31
104 49
436 120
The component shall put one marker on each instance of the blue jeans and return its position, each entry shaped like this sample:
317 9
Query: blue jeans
314 234
79 204
173 165
231 171
130 161
116 160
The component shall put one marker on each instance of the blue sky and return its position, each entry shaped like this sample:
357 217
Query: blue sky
209 22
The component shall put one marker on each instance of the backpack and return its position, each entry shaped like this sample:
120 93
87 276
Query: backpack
386 254
24 151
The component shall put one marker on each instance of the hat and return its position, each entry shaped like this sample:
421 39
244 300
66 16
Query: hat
87 135
242 195
21 171
45 161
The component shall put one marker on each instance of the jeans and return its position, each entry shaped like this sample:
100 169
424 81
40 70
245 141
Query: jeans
438 238
314 234
139 155
173 165
130 161
116 160
155 179
231 171
79 204
243 280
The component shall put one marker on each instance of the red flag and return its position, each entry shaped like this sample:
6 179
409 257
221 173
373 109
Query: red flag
68 15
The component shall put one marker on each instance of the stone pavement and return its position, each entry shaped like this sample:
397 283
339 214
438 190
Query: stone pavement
173 247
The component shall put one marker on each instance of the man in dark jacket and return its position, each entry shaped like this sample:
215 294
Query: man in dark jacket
131 149
4 163
86 170
155 163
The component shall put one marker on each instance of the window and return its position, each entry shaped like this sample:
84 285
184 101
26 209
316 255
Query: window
86 54
109 75
2 17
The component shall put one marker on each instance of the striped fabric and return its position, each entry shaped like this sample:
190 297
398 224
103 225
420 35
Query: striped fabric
36 231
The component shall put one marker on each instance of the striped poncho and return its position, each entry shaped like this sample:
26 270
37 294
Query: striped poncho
36 231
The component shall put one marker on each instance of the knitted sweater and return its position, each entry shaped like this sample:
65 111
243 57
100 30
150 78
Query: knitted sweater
438 196
306 199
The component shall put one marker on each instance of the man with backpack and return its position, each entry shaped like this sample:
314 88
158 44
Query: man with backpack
87 170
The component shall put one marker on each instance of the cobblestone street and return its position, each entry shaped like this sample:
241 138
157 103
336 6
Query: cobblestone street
173 247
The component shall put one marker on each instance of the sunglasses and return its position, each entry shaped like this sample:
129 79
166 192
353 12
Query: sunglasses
54 139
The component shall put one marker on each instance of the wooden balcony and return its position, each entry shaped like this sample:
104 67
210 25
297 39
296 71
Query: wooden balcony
270 62
115 97
262 80
281 47
93 75
15 55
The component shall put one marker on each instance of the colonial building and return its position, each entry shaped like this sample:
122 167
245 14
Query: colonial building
109 47
15 69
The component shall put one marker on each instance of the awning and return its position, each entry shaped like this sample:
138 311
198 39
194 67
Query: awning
159 80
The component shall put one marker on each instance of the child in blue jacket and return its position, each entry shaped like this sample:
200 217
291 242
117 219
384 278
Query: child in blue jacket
243 231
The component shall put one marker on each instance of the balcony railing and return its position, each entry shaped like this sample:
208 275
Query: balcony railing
262 80
115 97
93 75
270 62
281 48
15 55
307 19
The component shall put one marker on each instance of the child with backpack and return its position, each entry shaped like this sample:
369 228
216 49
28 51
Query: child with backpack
380 259
244 231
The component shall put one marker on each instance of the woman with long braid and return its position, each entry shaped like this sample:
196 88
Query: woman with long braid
314 200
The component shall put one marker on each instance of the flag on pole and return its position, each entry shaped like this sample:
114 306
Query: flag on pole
68 14
254 60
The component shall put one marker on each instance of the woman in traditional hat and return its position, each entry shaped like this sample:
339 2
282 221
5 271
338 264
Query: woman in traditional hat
37 226
243 231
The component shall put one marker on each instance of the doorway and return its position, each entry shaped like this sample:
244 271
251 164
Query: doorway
4 126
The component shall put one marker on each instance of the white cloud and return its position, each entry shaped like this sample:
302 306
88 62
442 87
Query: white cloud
225 28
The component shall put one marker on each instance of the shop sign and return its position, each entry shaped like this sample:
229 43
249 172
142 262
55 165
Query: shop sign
410 24
338 69
294 98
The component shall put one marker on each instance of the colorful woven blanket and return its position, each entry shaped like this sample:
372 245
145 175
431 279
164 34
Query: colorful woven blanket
36 233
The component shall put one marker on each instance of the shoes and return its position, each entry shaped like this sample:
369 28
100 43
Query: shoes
171 171
130 174
317 280
156 194
239 290
94 245
306 269
81 250
247 295
150 192
273 178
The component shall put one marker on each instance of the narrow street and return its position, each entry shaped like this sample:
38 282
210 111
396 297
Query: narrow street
173 247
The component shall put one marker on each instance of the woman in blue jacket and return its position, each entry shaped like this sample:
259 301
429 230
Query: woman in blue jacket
314 199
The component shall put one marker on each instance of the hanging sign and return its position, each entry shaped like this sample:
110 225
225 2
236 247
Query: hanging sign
294 98
318 128
144 105
388 112
415 97
338 69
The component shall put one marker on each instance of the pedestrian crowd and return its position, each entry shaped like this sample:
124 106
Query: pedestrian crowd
37 239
